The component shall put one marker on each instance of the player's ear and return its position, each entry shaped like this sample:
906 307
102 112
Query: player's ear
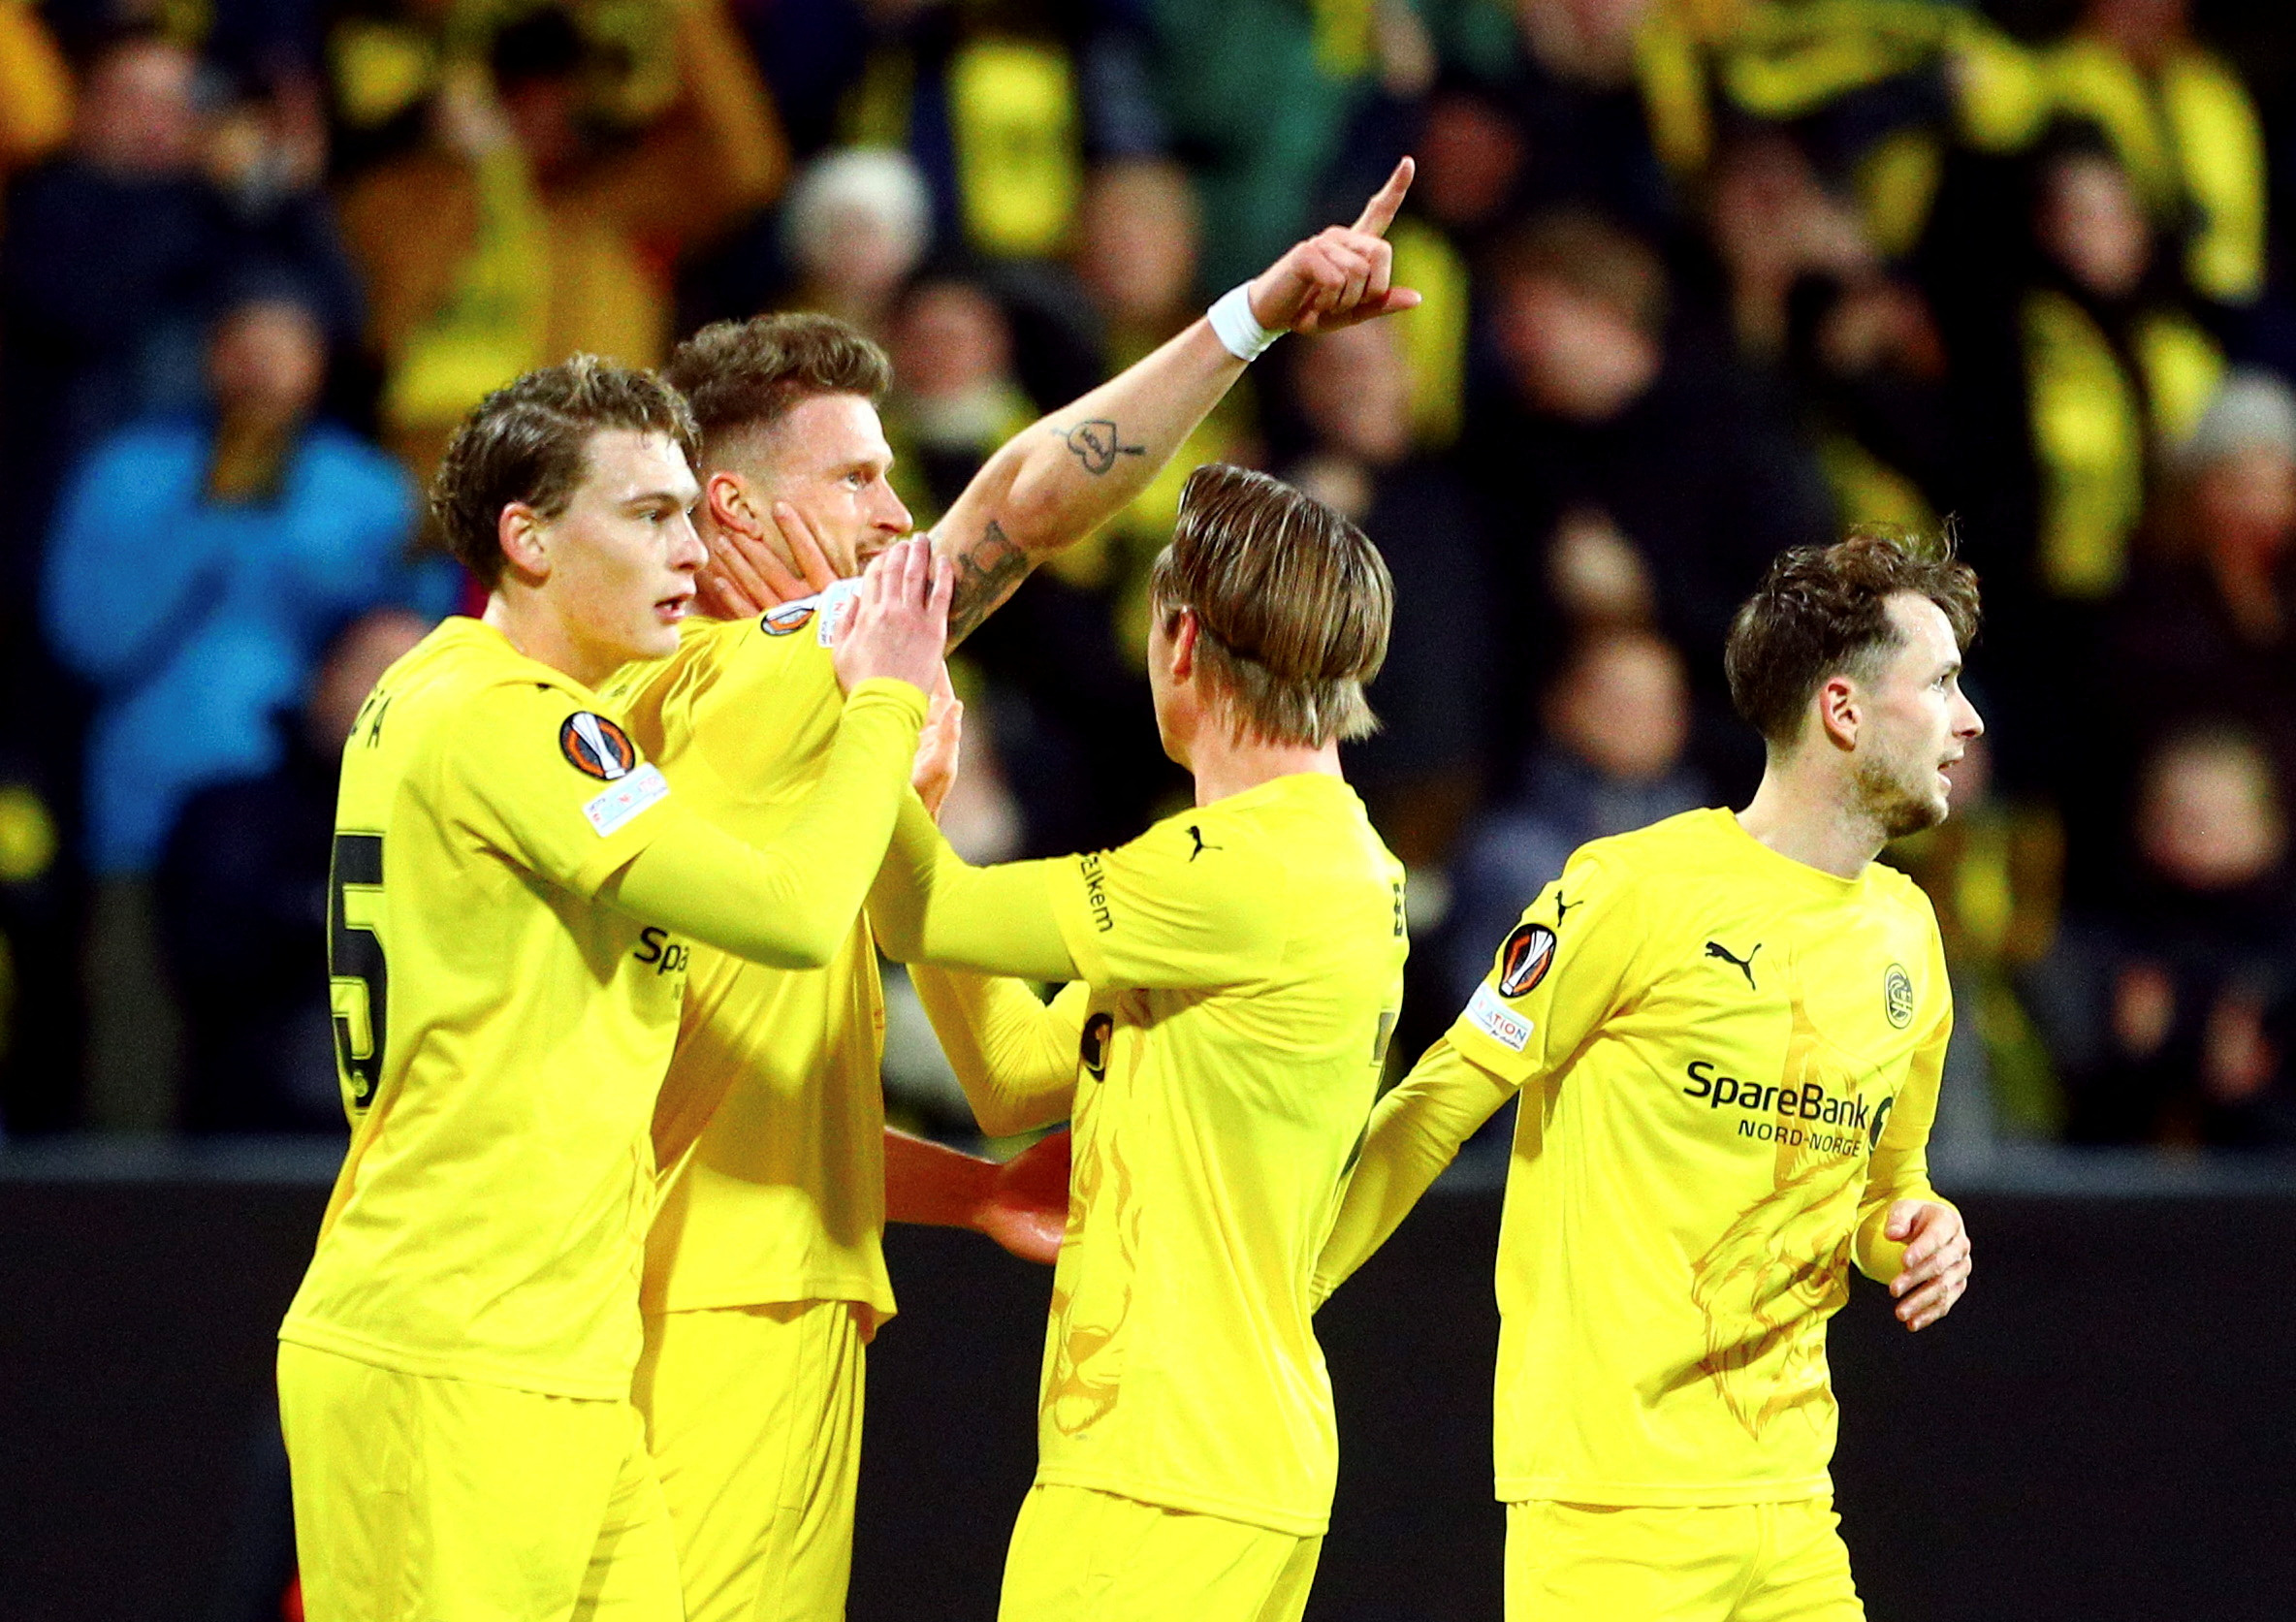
524 539
1183 655
725 497
1840 708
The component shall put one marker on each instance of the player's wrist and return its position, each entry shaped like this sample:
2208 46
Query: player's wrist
1236 328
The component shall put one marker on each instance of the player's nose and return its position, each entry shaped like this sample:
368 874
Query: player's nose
892 515
686 552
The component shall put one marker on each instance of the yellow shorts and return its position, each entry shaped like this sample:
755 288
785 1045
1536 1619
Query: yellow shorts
421 1500
754 1418
1740 1563
1084 1556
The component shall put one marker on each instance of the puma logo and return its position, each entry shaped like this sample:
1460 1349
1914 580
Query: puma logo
1562 907
1744 966
1197 833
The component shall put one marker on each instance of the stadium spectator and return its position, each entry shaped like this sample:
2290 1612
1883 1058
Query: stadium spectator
538 237
2183 126
1771 224
2170 1010
241 896
2082 387
196 568
858 222
2097 421
1612 122
1471 155
1617 721
1419 774
1669 463
2207 632
115 254
956 398
1807 306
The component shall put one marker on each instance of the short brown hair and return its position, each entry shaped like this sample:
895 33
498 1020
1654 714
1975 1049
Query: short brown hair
1583 251
1294 603
529 442
1821 611
741 375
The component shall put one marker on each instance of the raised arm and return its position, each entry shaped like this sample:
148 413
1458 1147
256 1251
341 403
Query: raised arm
1062 478
1415 1132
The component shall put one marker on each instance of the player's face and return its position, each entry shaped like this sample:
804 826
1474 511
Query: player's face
1918 721
829 459
623 555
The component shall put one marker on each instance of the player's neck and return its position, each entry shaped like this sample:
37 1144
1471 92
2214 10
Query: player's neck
1225 765
1802 814
527 623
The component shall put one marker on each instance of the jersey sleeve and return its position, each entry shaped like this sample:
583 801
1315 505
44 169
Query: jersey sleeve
1900 1164
1015 1056
1169 913
1416 1131
1565 967
556 786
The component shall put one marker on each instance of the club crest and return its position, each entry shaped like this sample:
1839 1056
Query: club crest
1897 996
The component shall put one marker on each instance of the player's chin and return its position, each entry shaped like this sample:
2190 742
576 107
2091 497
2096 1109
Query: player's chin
657 634
1913 813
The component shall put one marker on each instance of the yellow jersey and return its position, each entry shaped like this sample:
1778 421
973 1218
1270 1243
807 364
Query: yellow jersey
774 1084
1243 965
1730 1062
499 1034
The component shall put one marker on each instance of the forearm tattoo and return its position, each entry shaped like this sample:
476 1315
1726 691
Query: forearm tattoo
988 571
1098 444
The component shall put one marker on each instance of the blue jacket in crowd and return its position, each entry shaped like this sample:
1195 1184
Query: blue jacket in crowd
196 623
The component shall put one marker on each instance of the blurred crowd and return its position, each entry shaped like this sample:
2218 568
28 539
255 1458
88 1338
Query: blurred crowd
1703 278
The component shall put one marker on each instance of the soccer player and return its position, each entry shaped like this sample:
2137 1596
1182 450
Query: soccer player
765 1275
513 893
1727 1030
1236 972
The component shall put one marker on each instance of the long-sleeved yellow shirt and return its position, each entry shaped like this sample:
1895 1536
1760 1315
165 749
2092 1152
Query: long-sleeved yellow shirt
515 892
1729 1066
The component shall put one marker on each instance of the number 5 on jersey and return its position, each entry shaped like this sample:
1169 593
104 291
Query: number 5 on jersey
359 980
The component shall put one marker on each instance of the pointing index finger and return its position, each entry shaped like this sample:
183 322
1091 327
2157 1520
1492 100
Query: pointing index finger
1380 212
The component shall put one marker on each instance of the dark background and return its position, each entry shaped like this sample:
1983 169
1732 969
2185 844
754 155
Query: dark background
2104 1429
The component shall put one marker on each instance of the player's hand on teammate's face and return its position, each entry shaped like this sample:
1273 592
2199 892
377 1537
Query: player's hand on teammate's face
1341 275
900 620
1937 1267
749 574
1028 1210
939 745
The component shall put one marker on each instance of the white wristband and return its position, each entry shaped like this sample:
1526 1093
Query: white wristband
1238 330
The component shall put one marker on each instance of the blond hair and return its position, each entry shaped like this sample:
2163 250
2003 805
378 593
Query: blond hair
1291 600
